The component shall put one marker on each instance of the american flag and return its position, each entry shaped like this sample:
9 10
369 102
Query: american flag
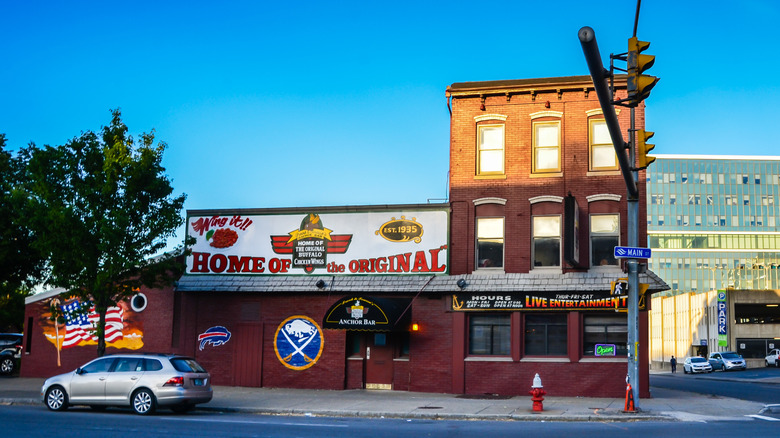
80 326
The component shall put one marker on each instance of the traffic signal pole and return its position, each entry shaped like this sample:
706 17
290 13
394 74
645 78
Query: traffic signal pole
590 48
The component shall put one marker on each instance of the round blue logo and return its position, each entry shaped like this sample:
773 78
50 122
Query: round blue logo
298 342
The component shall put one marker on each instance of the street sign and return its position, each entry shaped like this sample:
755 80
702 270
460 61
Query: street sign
619 287
628 252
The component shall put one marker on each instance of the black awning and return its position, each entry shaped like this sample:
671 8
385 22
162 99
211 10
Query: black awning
359 312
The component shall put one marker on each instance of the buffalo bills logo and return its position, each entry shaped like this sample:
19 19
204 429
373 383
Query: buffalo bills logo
215 336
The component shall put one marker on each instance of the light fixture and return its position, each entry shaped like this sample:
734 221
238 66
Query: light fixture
415 327
461 283
320 284
772 305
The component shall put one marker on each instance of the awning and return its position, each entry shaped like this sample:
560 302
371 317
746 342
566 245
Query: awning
366 313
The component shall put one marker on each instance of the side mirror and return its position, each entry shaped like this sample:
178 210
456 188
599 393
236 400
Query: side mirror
79 371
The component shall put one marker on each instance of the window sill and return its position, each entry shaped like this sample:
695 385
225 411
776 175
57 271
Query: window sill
496 176
401 359
547 175
547 271
488 359
488 271
355 358
604 359
546 359
609 172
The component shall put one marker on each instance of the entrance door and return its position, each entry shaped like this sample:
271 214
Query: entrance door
379 361
248 354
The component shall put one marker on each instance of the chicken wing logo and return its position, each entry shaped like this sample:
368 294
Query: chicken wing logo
298 342
215 336
310 244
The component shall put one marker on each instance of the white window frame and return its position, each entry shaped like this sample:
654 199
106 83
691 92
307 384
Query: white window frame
604 148
487 237
534 227
485 149
546 148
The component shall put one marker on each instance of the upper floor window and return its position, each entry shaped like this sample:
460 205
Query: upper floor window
490 242
546 241
547 147
604 237
602 152
490 148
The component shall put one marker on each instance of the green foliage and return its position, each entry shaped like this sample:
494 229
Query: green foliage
19 262
101 207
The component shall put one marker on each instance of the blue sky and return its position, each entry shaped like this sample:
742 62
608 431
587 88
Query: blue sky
286 104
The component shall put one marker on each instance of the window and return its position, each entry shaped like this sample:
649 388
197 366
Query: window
490 159
545 334
605 329
131 364
547 140
98 366
602 152
604 237
489 334
490 242
547 241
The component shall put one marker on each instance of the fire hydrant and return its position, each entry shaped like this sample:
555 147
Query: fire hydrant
537 393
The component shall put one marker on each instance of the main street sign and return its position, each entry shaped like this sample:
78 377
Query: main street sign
628 252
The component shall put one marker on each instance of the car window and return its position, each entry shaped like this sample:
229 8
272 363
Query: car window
129 364
698 359
98 366
187 365
152 365
731 355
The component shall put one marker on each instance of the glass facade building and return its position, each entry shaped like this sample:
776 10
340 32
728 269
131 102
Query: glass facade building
712 222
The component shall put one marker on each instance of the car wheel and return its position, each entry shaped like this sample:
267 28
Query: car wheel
56 398
143 402
777 363
7 365
723 368
766 363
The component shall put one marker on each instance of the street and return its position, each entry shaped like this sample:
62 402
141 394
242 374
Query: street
713 384
36 421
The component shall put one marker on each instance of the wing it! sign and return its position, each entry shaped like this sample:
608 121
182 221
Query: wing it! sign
349 243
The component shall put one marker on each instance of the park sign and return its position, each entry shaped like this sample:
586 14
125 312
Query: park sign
629 252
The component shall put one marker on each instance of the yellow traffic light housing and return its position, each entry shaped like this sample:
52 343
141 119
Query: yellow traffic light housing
639 85
642 148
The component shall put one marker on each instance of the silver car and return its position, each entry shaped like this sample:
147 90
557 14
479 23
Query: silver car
141 381
696 364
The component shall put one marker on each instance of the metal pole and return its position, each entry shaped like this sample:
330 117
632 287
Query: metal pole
633 275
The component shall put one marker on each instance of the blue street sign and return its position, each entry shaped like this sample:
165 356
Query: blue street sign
627 252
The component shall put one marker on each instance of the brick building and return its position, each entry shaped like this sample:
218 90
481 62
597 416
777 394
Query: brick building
473 296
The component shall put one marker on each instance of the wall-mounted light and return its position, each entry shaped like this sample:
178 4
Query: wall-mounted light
772 305
320 284
461 283
415 327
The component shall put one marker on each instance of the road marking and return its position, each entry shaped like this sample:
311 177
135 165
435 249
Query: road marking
763 417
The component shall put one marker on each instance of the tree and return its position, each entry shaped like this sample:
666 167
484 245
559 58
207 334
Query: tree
101 207
19 262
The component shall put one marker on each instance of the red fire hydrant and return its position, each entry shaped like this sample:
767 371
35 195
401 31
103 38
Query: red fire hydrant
537 393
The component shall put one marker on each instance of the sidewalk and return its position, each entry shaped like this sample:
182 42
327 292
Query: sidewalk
665 405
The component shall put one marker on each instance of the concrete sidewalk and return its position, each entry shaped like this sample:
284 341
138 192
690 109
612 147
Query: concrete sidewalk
665 405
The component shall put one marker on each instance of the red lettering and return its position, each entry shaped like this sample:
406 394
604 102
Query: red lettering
435 261
238 264
403 262
274 266
381 264
286 265
200 262
420 263
258 264
354 265
218 263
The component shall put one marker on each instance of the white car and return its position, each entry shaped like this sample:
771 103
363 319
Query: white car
773 358
696 364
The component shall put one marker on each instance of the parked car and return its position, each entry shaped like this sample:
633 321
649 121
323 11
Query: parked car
773 358
727 360
696 364
10 352
141 381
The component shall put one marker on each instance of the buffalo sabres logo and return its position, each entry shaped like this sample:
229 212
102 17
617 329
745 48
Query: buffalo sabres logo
215 336
298 342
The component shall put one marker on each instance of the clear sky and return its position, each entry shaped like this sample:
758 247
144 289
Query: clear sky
311 103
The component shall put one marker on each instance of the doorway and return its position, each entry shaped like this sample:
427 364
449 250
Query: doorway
380 350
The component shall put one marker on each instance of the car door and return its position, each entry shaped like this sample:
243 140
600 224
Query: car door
88 384
715 360
124 377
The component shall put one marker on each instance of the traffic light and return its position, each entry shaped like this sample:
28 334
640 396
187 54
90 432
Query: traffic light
642 148
639 85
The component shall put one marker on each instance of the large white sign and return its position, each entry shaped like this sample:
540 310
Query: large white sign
368 243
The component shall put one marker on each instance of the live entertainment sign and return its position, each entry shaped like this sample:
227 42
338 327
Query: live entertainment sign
387 242
538 301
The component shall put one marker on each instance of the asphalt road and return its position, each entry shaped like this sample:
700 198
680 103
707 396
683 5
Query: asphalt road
745 385
36 421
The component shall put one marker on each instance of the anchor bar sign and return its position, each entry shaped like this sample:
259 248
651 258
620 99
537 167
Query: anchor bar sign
628 252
